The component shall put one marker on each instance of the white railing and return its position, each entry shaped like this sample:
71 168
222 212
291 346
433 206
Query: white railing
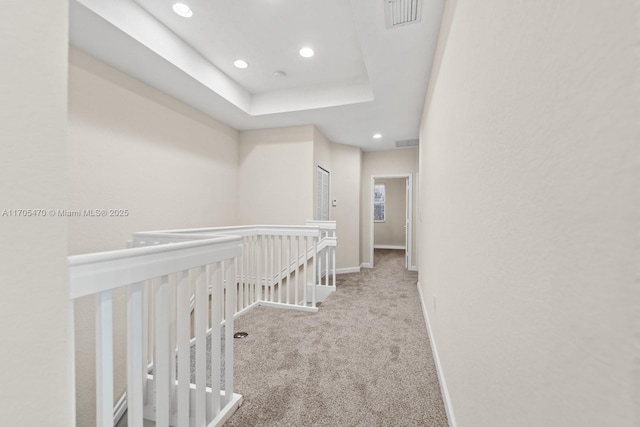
279 265
210 275
327 251
166 276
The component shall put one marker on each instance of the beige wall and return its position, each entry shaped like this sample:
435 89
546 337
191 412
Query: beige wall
391 232
277 182
275 176
391 162
529 267
343 163
132 147
34 310
345 188
135 148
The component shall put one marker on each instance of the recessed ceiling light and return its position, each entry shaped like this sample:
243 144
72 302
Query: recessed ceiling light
240 63
377 135
307 52
182 10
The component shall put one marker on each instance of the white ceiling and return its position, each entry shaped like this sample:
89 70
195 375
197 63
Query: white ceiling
264 34
363 79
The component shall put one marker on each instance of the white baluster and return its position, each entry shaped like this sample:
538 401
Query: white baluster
297 300
240 299
135 362
147 350
265 253
258 269
253 269
271 266
248 271
184 348
228 344
152 284
245 269
104 359
326 262
315 272
161 360
280 268
201 346
217 295
288 267
333 264
304 269
172 343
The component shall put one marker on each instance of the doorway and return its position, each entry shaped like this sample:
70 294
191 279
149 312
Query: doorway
391 215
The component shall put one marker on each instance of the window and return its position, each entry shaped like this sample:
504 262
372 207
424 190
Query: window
378 202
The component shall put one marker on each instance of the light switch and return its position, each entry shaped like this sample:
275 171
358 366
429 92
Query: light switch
334 202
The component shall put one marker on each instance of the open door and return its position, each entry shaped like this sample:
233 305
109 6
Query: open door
407 238
375 213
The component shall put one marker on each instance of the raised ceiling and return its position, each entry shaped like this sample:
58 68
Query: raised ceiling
363 79
268 35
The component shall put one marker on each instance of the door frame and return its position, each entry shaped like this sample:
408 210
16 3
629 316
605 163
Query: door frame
409 240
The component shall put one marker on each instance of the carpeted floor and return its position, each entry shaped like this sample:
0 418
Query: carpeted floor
362 360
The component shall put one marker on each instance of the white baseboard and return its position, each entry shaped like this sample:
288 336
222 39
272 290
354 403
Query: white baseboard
288 306
388 247
443 384
120 408
413 268
149 410
365 265
322 292
347 270
244 310
227 411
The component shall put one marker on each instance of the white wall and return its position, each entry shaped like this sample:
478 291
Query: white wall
132 147
391 232
529 186
275 176
345 188
390 162
34 309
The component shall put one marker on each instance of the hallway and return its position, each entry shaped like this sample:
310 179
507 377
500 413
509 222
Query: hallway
363 359
516 120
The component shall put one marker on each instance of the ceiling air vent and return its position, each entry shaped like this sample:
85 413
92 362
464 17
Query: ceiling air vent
402 12
407 143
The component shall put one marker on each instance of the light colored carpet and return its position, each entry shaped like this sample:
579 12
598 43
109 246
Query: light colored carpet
362 360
